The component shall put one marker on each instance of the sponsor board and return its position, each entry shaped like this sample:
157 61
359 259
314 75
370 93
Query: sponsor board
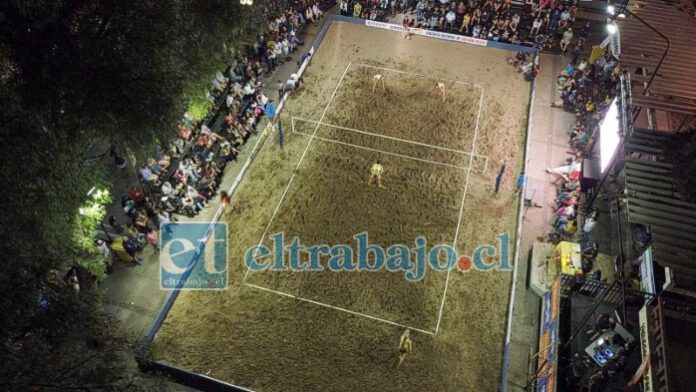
548 339
428 33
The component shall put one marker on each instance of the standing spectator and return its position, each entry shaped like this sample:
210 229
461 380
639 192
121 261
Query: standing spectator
555 17
357 9
466 21
280 87
420 10
520 182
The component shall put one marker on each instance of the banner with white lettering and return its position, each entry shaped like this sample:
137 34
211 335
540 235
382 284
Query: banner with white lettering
428 33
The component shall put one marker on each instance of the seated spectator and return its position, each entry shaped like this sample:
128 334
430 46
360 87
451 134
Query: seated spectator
316 11
128 206
565 41
248 89
189 202
565 19
227 152
147 174
183 132
166 188
234 74
582 65
539 41
584 34
220 82
309 15
514 22
450 17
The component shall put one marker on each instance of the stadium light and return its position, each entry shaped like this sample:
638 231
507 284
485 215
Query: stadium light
609 138
246 2
610 9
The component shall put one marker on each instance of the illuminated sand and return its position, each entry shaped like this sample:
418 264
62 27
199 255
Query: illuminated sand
345 340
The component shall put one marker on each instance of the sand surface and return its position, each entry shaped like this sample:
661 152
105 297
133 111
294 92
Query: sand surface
270 342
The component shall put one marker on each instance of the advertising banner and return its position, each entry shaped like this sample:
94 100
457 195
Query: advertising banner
548 339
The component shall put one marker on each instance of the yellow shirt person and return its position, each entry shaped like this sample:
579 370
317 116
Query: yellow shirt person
376 173
405 346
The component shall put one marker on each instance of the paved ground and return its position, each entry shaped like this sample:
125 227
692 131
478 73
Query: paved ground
548 148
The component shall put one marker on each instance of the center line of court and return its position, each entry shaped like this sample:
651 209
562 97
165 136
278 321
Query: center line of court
382 136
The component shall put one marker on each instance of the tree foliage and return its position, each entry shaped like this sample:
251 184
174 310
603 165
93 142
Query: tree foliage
73 72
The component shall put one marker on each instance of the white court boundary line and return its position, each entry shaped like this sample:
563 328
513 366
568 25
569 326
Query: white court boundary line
381 135
275 212
294 172
481 90
461 212
340 309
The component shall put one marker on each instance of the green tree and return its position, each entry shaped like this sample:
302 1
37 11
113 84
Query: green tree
72 72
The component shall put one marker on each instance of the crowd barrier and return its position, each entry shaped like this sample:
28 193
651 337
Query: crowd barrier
198 380
516 261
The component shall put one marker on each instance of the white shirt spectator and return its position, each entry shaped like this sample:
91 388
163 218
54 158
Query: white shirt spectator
294 77
248 90
451 16
167 188
582 65
590 224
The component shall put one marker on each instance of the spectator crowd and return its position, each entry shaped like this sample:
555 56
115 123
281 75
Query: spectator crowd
184 176
587 89
545 24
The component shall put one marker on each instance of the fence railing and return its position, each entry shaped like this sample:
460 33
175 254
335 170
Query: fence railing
609 293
